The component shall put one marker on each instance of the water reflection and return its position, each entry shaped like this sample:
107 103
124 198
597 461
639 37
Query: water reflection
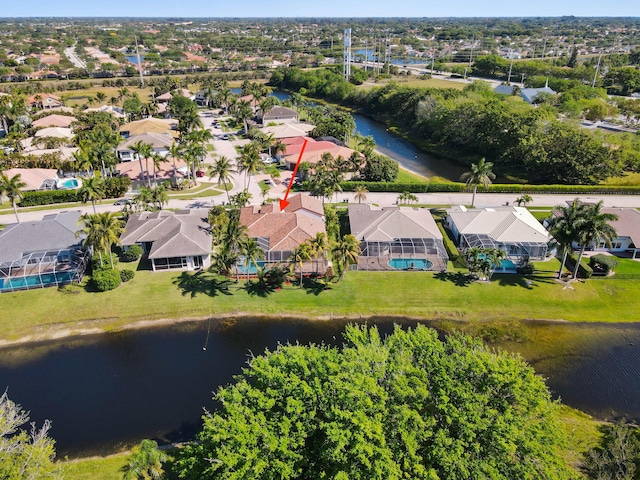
108 391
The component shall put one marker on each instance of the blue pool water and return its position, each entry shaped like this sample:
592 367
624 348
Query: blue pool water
410 263
68 183
34 281
507 266
252 268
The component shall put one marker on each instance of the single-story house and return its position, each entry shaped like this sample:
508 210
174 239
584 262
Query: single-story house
115 111
164 172
627 227
54 120
279 232
150 125
159 141
176 241
57 132
43 253
397 238
288 130
280 115
313 152
511 229
35 178
528 94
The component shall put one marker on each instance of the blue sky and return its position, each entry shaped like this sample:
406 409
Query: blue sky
327 8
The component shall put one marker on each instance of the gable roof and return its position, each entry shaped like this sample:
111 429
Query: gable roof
530 94
627 224
278 111
54 120
58 132
156 140
288 130
504 89
179 234
389 223
502 224
33 177
150 125
299 222
54 232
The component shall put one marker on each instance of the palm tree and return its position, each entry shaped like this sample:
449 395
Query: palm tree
194 153
102 230
361 193
320 246
249 161
11 187
495 256
346 251
158 160
243 113
566 226
479 174
143 150
222 169
407 197
159 196
252 253
92 189
175 151
145 462
82 160
524 199
595 229
144 199
302 253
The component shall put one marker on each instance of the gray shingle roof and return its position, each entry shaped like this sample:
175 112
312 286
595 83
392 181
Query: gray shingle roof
53 232
389 223
183 233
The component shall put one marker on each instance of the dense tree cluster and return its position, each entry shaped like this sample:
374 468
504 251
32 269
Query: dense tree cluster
408 406
528 143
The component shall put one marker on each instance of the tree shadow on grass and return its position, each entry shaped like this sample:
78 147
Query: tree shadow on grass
259 289
316 286
202 282
458 278
528 282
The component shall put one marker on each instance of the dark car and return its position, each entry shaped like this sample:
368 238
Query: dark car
122 201
225 137
199 173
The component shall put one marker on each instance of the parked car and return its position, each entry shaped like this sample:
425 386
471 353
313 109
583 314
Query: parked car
225 137
122 201
199 173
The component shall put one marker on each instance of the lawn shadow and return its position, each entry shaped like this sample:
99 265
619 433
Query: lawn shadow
528 282
202 282
316 286
259 289
459 279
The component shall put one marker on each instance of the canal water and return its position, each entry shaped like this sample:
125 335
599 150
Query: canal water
106 392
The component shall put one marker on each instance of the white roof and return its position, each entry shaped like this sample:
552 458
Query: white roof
289 130
502 224
59 132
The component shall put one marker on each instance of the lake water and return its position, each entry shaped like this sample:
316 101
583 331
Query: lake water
108 391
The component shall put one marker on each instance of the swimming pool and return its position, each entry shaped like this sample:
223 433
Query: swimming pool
36 281
252 268
507 266
69 184
410 264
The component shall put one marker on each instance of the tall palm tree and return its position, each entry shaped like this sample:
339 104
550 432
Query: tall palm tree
82 160
194 153
175 151
479 174
158 160
223 170
144 199
143 150
12 188
243 113
361 193
249 161
346 251
594 230
565 228
145 462
302 253
102 230
252 253
92 189
159 196
320 246
235 238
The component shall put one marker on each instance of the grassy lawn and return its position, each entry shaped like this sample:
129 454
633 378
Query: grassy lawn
95 468
405 176
628 179
426 295
628 266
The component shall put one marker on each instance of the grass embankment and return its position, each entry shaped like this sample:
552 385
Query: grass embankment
172 295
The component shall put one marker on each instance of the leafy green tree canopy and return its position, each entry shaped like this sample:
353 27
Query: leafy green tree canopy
406 406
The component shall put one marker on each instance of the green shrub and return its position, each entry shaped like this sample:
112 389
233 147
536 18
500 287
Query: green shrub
95 261
602 264
131 254
126 275
105 279
48 197
584 270
525 269
115 187
450 246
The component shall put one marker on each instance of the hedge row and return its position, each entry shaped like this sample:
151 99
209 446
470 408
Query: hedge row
450 246
496 188
48 197
584 270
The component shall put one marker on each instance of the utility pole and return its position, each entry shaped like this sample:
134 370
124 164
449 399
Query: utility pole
139 62
595 76
347 54
510 66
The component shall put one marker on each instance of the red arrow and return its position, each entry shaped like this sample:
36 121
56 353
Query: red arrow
283 202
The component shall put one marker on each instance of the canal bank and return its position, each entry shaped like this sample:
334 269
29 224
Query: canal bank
106 392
